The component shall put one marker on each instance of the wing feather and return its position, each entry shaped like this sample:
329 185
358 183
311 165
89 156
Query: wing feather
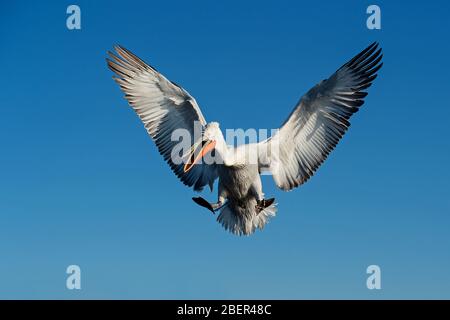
319 121
163 107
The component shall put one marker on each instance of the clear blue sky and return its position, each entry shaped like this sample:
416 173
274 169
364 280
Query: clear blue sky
82 183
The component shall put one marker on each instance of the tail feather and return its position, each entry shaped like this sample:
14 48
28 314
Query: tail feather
243 219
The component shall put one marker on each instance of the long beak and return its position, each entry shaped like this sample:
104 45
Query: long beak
195 157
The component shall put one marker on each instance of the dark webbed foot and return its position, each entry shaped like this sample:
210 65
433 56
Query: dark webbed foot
264 203
210 206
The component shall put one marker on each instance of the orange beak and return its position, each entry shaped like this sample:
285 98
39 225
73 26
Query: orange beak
195 157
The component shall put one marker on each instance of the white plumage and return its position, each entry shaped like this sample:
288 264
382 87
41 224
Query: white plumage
292 155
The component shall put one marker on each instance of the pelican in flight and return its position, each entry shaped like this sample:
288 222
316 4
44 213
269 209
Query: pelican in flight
291 155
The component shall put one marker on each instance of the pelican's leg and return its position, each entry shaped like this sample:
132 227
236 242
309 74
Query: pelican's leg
212 206
261 203
219 204
221 198
256 189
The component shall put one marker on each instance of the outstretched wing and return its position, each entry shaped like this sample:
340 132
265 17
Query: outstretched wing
319 121
163 107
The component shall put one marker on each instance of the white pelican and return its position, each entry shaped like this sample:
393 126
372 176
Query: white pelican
303 142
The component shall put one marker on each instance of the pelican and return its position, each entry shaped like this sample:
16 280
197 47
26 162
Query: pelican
291 155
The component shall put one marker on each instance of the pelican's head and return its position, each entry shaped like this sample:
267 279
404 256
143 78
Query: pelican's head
210 136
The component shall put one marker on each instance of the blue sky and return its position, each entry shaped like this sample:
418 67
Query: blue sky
82 183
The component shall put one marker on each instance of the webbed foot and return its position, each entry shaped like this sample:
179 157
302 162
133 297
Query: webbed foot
210 206
264 203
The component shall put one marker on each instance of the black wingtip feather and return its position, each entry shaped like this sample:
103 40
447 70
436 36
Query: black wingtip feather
365 66
363 58
359 55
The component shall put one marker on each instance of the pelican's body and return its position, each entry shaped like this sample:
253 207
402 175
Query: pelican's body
240 185
292 155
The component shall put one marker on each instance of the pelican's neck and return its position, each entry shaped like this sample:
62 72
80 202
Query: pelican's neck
223 150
